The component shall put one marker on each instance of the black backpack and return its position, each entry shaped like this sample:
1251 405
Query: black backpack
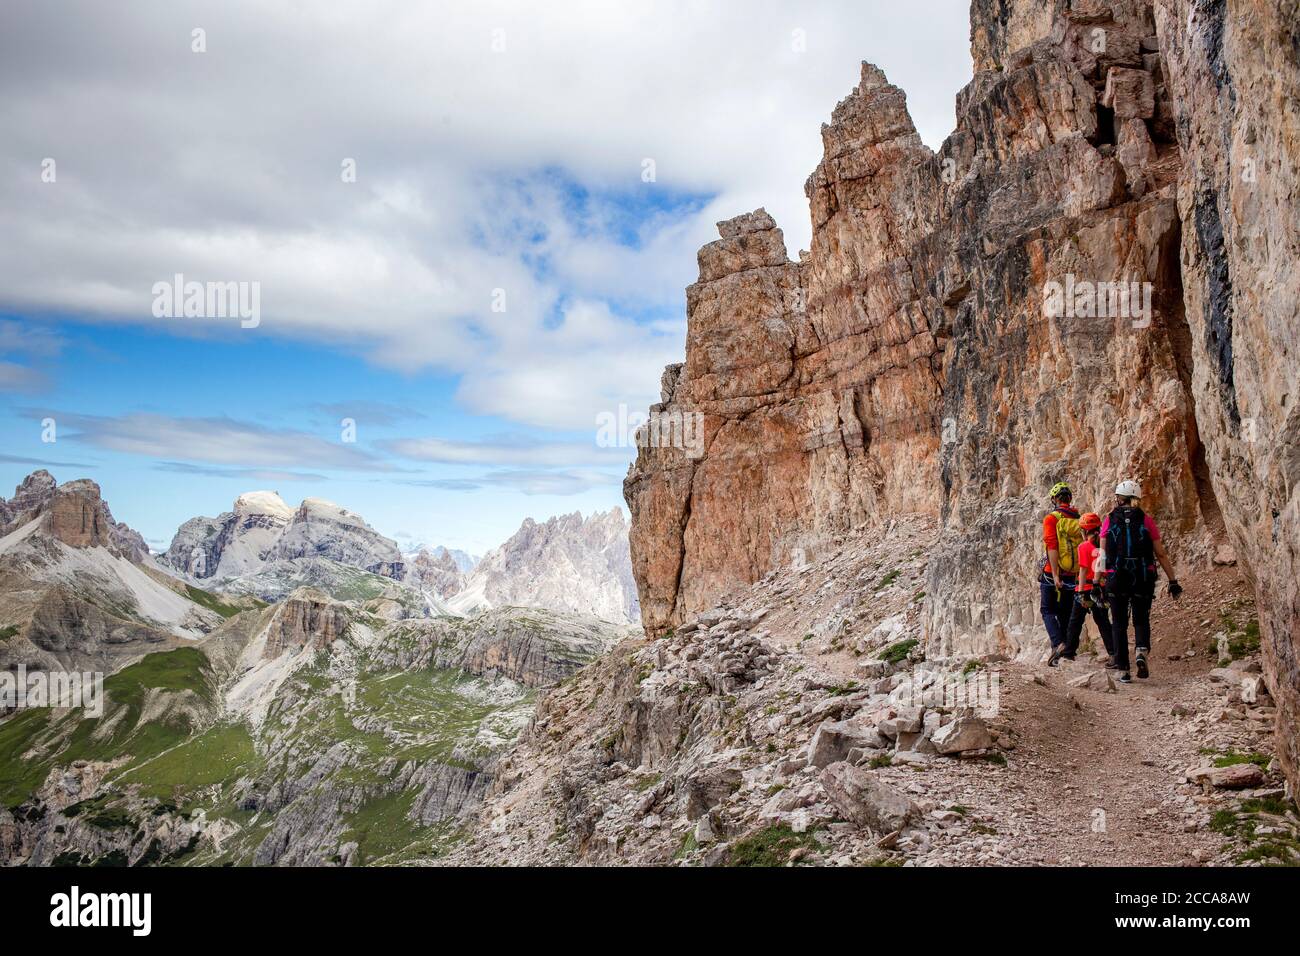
1130 553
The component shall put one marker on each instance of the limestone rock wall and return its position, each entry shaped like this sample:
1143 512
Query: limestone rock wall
1234 69
567 563
307 618
1063 178
74 512
905 364
816 382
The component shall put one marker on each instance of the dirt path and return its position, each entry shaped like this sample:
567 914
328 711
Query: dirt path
1096 777
1101 772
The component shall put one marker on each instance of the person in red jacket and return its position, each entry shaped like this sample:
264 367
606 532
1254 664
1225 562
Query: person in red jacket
1090 596
1057 581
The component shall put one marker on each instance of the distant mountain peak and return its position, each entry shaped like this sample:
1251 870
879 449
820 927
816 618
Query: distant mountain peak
257 540
262 502
74 513
567 562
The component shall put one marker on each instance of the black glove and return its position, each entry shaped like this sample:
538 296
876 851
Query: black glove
1175 590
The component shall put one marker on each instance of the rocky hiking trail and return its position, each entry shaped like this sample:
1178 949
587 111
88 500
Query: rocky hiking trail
782 727
1099 774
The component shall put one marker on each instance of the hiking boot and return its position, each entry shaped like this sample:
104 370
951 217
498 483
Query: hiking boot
1125 678
1143 671
1111 665
1057 653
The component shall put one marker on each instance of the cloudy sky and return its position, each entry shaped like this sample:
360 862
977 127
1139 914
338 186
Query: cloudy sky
445 208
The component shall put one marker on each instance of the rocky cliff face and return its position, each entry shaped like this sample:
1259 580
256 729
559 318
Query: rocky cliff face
36 489
463 560
324 530
1063 186
1234 71
74 513
568 563
307 619
532 646
1049 296
78 590
234 543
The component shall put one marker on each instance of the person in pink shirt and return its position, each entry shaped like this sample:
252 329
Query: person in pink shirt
1130 549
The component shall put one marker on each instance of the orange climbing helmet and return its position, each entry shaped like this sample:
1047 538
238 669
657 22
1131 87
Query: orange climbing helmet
1090 522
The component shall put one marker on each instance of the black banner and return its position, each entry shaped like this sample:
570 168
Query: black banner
213 906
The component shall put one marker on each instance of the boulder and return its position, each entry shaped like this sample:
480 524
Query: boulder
917 742
1094 680
834 739
907 720
1225 556
862 797
962 735
1254 690
1236 777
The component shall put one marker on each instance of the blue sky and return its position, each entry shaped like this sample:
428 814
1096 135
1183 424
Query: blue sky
501 153
254 383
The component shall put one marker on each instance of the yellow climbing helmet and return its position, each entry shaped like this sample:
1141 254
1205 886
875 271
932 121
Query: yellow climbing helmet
1060 488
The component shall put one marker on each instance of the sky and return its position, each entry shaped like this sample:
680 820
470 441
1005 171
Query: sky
462 232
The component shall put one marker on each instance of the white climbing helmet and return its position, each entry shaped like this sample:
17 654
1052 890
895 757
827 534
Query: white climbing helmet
1128 488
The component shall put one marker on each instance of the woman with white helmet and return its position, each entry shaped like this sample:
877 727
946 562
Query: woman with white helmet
1130 548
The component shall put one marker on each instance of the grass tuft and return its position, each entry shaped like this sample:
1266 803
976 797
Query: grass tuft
771 846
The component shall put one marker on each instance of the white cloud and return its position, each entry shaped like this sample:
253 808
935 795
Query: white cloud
35 344
226 166
215 441
19 378
21 338
370 412
564 377
243 474
42 462
520 450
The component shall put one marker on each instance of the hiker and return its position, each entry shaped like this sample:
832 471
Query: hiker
1061 537
1130 548
1090 595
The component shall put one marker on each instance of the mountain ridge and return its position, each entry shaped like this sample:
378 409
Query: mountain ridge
315 730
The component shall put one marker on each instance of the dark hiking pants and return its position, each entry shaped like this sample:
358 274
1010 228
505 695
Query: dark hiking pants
1100 617
1121 605
1056 611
